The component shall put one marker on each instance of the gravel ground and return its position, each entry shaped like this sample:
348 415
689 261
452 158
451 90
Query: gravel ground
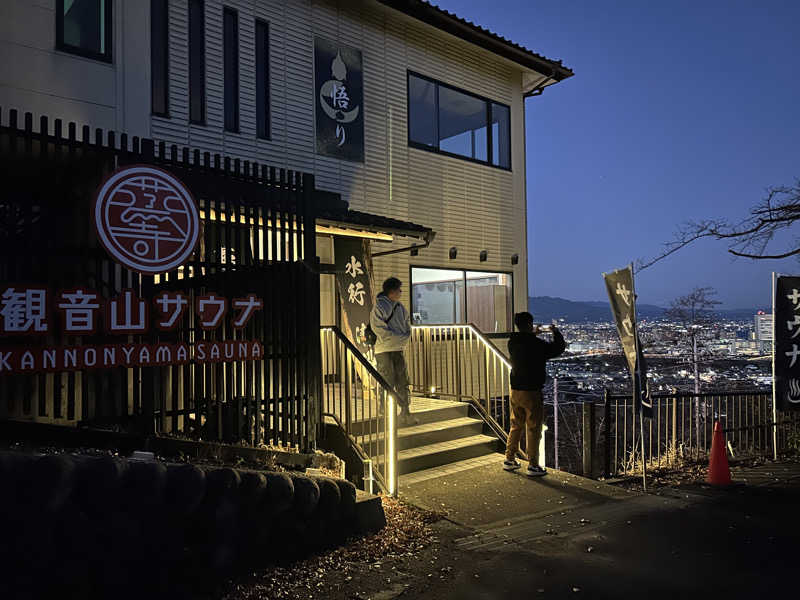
377 566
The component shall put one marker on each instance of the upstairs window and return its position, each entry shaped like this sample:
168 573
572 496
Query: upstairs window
197 62
159 56
444 119
84 27
262 80
230 44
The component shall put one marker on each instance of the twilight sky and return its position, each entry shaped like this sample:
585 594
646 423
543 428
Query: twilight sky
678 110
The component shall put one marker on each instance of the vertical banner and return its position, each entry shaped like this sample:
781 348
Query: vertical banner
786 343
353 280
622 296
338 100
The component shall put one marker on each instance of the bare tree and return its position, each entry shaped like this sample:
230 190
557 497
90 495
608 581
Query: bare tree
749 238
694 311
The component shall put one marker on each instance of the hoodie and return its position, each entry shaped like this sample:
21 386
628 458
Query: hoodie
529 355
392 335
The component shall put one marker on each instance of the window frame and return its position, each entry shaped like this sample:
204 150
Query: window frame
230 80
165 41
201 42
263 113
107 56
437 150
464 271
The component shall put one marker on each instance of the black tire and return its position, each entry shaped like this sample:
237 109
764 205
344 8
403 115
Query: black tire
144 486
306 495
280 493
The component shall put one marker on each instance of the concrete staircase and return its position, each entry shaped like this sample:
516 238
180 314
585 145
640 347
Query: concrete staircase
448 433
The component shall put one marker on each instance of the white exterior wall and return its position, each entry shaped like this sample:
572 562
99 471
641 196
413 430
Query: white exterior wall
37 78
470 206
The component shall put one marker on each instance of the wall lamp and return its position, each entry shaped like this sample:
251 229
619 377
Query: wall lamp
415 252
484 255
453 253
515 259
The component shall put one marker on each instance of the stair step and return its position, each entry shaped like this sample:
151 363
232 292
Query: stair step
434 455
443 411
491 459
440 431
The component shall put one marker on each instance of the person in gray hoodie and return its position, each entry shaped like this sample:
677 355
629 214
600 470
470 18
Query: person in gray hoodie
390 322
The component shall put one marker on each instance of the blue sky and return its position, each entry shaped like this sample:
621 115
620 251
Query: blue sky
678 110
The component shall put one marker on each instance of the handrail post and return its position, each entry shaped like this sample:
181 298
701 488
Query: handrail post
588 439
456 336
607 433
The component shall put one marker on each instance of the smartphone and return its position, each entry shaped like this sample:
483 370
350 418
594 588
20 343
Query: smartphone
543 328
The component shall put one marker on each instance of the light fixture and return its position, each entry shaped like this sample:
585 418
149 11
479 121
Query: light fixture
391 434
484 255
433 391
515 259
453 253
414 251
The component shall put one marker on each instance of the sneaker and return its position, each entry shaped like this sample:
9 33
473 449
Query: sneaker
535 471
510 465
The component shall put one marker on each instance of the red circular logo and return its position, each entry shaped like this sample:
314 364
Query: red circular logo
146 219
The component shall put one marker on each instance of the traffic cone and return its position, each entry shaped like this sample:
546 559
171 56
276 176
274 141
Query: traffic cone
719 473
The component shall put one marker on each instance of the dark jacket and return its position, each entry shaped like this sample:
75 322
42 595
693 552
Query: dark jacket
529 354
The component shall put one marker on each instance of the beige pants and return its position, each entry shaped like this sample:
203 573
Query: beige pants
526 410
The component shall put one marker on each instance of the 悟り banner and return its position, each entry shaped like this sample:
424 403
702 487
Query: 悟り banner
338 100
786 346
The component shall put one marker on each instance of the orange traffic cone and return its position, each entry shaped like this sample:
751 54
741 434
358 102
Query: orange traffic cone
719 473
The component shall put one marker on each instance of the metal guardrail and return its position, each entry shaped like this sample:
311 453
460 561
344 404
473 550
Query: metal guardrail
683 423
362 403
460 362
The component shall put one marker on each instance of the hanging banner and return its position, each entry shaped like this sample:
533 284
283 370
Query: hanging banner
338 100
354 283
621 295
786 343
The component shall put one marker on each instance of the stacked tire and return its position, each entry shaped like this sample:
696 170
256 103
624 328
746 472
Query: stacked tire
102 527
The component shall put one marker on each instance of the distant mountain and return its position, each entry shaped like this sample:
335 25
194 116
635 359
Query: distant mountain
547 308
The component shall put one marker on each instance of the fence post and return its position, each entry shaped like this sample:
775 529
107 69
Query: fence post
674 427
607 434
588 439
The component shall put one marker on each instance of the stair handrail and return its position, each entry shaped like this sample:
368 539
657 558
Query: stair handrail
388 479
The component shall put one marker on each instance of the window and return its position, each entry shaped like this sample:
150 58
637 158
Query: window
159 57
501 135
446 296
263 129
197 62
84 27
230 43
444 119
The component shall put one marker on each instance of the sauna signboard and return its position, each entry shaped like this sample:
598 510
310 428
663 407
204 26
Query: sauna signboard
148 222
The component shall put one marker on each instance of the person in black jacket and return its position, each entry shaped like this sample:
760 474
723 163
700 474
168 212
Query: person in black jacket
529 354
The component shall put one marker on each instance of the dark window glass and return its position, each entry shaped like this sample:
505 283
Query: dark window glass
422 111
501 135
84 27
262 80
462 124
230 43
197 62
159 56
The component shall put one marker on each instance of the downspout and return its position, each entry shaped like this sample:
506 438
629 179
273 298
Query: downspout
538 89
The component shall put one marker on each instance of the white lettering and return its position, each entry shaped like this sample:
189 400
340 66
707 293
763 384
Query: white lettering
4 356
110 356
128 352
49 359
256 350
70 355
144 355
201 351
183 353
89 352
228 346
163 354
27 361
214 351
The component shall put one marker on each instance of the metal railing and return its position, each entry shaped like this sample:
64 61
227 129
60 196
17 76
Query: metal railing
683 423
461 363
363 404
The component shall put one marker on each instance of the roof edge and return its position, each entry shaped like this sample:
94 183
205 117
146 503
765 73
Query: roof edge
467 31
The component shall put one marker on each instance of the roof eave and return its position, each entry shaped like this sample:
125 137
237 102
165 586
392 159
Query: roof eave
440 19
